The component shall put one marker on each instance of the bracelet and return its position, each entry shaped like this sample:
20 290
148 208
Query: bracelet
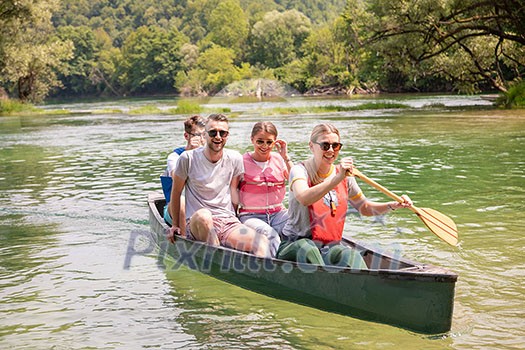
287 160
390 207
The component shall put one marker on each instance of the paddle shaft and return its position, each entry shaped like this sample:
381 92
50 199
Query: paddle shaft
383 189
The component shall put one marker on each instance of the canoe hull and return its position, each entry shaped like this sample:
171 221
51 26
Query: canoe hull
415 296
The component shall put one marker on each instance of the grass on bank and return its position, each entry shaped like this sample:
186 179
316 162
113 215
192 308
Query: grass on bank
183 107
514 98
10 107
334 108
15 107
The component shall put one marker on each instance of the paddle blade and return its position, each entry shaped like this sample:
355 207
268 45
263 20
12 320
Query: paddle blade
441 225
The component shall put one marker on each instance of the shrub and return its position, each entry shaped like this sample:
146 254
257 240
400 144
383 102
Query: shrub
14 106
188 107
514 97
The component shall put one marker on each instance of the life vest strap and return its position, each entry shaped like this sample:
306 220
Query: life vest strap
266 207
267 184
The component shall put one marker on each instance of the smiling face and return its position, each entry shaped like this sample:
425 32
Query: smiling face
324 159
219 131
196 137
263 143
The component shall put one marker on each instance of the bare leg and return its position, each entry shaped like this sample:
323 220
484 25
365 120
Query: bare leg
262 228
246 239
182 216
201 226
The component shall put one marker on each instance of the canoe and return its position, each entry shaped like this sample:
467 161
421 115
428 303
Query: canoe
394 290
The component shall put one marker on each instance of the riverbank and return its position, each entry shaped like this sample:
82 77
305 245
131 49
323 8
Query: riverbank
171 105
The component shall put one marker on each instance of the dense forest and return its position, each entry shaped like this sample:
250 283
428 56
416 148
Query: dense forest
81 48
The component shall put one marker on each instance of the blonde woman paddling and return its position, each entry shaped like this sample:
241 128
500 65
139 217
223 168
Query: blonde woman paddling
318 197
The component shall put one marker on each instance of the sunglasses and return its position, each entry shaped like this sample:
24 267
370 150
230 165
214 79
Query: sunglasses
199 134
222 133
262 142
325 146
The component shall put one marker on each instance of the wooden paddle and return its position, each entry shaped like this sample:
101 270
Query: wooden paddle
441 225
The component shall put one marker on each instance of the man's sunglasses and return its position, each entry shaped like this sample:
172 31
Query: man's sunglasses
325 146
199 134
262 142
222 133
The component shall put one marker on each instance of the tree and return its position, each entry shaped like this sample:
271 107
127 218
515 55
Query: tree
103 75
277 39
151 59
328 62
471 43
214 70
85 56
195 18
319 11
228 26
31 55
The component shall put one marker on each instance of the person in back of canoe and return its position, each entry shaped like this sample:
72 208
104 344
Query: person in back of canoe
210 177
263 186
318 198
194 136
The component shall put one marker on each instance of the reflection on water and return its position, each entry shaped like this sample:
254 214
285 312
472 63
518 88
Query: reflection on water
226 316
74 187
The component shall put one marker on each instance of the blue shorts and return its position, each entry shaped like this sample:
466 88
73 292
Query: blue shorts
167 216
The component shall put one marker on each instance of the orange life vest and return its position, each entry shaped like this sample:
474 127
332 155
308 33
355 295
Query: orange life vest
328 214
262 191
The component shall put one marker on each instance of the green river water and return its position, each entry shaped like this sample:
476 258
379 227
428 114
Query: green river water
73 191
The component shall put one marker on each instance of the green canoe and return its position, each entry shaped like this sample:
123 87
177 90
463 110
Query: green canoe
394 290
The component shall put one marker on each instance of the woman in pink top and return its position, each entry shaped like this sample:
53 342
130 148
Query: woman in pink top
263 185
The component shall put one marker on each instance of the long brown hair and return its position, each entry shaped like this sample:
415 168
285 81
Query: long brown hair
266 127
309 164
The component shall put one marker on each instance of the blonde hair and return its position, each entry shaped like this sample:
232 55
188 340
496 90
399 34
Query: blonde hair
309 164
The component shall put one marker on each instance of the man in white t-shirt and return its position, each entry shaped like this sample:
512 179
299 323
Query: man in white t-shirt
210 176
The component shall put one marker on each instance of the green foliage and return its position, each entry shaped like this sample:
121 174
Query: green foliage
514 97
146 110
188 107
107 111
8 107
85 55
380 105
225 32
328 61
335 108
214 70
221 110
198 47
469 44
151 57
30 55
277 39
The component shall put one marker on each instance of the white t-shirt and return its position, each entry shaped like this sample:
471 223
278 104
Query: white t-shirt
173 158
207 183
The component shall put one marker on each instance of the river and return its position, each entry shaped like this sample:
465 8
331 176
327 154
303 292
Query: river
73 196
